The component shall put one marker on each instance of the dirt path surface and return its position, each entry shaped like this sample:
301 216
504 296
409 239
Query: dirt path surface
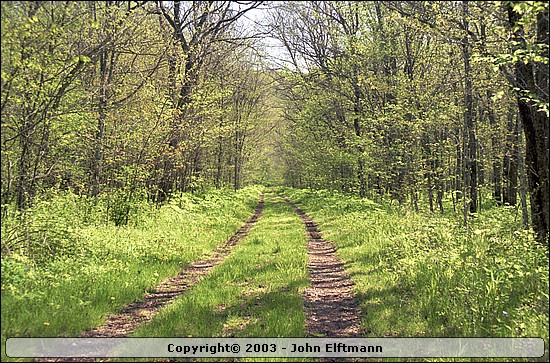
330 304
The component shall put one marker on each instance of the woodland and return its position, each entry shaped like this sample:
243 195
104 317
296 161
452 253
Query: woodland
164 121
377 99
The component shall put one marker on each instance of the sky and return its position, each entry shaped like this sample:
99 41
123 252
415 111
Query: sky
257 21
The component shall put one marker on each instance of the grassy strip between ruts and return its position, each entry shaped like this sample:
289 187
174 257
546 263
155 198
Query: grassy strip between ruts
105 266
256 292
425 275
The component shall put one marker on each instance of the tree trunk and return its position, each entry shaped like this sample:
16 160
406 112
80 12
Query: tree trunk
496 177
511 162
458 174
23 169
522 181
470 165
495 148
534 78
97 162
430 191
219 163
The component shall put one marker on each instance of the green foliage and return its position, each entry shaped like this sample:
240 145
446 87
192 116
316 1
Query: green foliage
50 228
425 275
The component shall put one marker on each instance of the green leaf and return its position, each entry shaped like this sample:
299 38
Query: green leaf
84 59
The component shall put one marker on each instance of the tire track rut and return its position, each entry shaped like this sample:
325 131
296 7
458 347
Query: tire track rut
137 313
124 322
330 303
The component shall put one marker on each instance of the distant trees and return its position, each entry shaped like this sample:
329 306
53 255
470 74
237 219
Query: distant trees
399 98
41 66
199 30
404 100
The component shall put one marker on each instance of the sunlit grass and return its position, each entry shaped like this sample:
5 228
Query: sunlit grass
425 275
256 292
416 274
61 294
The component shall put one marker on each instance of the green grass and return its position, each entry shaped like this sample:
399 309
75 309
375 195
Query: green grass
66 271
424 275
416 274
256 292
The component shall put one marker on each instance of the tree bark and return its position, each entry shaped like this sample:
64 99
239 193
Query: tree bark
510 184
470 165
534 78
522 181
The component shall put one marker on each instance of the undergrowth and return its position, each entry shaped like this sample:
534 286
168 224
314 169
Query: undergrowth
69 262
66 264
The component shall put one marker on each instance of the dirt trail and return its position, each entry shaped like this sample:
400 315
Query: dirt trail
130 317
330 304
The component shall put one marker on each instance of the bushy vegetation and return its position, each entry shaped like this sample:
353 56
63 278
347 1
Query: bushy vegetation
425 274
66 264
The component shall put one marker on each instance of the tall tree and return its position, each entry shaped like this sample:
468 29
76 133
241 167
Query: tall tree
470 149
531 83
